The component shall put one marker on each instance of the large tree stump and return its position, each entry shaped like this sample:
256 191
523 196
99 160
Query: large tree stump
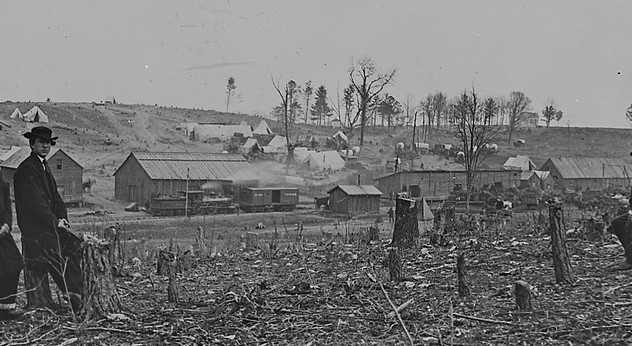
464 288
38 293
406 230
394 263
523 295
561 261
99 290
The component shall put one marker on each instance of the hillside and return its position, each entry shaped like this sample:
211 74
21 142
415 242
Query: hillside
101 137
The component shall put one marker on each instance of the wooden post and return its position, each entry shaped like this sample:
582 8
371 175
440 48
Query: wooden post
561 261
394 265
99 290
406 230
464 289
523 295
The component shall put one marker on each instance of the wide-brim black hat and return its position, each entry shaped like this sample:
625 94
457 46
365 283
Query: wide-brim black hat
42 132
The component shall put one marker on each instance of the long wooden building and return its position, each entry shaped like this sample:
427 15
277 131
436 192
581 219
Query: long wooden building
68 173
592 173
437 184
144 175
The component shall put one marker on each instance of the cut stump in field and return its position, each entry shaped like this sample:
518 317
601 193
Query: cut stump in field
406 230
199 246
170 267
464 288
394 263
99 295
523 295
113 235
561 260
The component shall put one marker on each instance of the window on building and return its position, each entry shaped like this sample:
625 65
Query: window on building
404 188
59 164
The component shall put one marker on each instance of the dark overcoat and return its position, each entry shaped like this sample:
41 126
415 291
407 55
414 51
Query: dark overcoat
38 207
10 257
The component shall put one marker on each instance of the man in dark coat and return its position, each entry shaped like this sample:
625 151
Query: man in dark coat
10 258
47 243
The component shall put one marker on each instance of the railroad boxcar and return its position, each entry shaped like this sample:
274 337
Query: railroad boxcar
260 199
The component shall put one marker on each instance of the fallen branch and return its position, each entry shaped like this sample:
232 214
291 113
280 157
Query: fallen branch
483 319
611 291
399 317
400 308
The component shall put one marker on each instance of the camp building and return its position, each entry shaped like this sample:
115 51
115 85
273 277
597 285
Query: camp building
67 172
354 199
437 184
594 173
144 175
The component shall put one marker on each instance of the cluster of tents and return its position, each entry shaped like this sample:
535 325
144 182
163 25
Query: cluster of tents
34 115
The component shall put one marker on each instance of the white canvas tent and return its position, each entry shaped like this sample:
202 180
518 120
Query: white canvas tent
278 144
424 213
262 128
301 155
16 114
325 160
250 146
519 163
35 115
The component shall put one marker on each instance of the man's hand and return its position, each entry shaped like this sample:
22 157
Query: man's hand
5 229
63 223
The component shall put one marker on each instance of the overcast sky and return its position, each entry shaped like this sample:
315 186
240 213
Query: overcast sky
181 53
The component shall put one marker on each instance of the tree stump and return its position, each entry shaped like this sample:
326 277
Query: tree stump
523 295
394 263
169 260
38 293
594 229
113 235
561 261
406 230
185 261
99 290
199 246
464 288
373 234
252 241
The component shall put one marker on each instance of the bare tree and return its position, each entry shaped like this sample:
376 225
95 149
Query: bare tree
367 83
518 107
287 98
229 90
474 129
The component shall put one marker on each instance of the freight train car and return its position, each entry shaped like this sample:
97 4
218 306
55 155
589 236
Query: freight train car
260 199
